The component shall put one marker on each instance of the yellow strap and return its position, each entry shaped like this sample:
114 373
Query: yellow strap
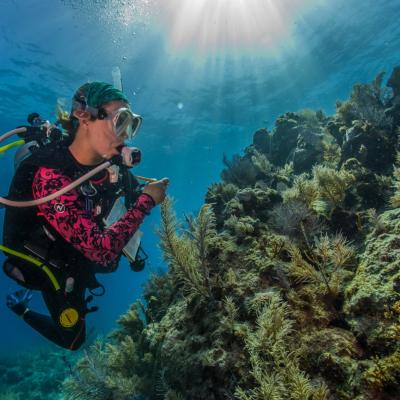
35 262
9 146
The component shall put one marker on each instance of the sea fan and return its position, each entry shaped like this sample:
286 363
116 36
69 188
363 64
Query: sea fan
295 220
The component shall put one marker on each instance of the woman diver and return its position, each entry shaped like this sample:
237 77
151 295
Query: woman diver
58 246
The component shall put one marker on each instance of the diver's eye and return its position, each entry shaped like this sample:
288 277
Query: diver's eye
123 119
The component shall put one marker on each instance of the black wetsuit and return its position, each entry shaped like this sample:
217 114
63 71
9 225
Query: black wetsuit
28 232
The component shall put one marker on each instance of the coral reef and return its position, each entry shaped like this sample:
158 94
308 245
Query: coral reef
299 138
286 285
36 375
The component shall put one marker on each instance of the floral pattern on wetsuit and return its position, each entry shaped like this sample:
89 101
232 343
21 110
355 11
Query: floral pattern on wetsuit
67 215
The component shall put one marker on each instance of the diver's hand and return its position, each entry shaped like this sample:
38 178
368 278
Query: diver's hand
157 190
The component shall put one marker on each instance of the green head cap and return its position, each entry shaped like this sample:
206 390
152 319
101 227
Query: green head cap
95 94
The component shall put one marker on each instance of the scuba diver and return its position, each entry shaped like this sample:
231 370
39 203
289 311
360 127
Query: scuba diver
68 232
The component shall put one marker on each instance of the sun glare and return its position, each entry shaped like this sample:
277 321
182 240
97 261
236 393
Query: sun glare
229 24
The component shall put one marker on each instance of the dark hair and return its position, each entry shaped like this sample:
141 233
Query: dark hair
67 119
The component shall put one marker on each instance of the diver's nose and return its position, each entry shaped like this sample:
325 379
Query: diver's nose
123 136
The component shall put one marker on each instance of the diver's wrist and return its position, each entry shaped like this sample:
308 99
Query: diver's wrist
150 197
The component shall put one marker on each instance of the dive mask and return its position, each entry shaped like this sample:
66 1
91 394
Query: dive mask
125 122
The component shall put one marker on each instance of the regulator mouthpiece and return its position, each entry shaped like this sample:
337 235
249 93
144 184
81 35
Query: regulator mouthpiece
128 156
131 156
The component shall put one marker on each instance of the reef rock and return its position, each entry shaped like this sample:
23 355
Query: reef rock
286 285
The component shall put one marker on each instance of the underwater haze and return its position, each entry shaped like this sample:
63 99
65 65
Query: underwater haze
205 75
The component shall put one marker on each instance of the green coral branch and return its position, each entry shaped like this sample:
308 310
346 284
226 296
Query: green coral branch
332 184
384 371
186 255
323 191
324 263
202 229
274 357
261 163
104 372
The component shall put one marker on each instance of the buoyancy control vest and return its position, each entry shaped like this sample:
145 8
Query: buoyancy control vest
25 230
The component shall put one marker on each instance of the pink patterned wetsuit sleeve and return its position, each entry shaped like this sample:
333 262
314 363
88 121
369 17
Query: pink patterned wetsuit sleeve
67 215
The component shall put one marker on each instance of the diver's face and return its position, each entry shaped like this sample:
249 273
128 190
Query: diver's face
101 133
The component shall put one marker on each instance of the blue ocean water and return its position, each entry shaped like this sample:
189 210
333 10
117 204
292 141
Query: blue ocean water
201 91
